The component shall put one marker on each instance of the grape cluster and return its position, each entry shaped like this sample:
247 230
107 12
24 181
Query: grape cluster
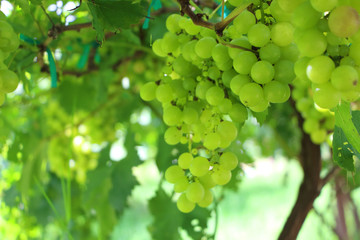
207 88
326 34
9 42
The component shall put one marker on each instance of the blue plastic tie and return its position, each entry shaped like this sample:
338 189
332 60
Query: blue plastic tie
155 4
52 65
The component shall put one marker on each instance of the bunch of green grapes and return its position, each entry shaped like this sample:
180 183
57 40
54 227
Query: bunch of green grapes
328 39
207 88
9 42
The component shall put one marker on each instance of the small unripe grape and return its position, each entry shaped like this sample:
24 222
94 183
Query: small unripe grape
228 161
207 200
147 91
238 113
282 34
259 35
204 46
172 136
185 160
251 94
172 116
8 81
199 166
173 174
221 176
326 96
238 81
214 95
344 78
212 141
262 72
181 184
184 204
319 69
276 92
195 192
227 130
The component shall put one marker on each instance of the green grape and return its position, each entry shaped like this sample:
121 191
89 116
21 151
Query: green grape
333 50
224 66
214 95
276 92
2 98
181 184
189 84
220 53
188 50
261 106
238 82
190 115
184 204
305 16
207 200
310 125
172 23
199 166
170 42
323 5
347 61
157 48
214 72
206 116
227 76
262 72
251 94
202 88
343 50
244 61
184 68
270 52
238 113
147 91
259 35
228 161
206 32
289 6
8 81
318 136
173 174
304 104
189 27
319 69
278 13
177 88
290 52
311 43
225 105
284 71
172 115
241 42
195 192
282 33
164 93
221 176
332 39
204 46
212 141
244 21
172 136
300 67
354 52
326 96
344 21
344 78
185 160
350 96
227 130
207 181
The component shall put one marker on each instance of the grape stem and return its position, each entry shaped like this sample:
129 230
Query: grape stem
217 27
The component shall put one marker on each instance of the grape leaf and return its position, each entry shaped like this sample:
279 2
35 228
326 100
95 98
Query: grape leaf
202 215
123 180
346 141
260 116
167 217
163 157
114 14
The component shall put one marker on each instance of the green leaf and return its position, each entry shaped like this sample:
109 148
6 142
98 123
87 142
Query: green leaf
260 116
346 141
163 157
114 14
202 215
24 5
123 180
167 218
